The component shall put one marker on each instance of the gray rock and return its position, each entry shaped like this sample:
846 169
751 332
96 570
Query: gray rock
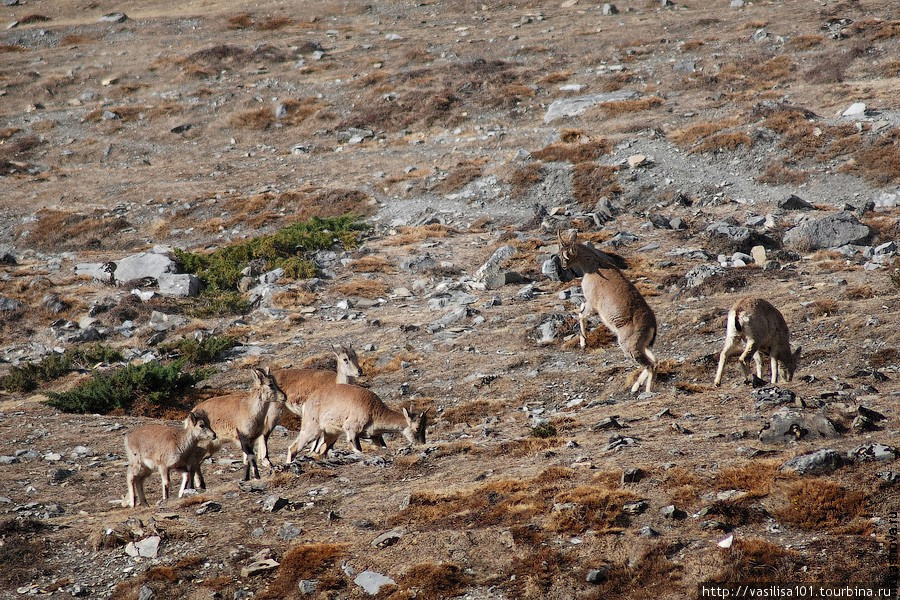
737 4
857 109
609 9
308 586
790 425
146 548
648 532
7 257
208 507
598 575
181 285
636 508
274 503
145 593
672 512
886 248
418 264
8 460
632 475
816 463
451 318
116 17
259 566
388 538
699 274
271 276
886 201
734 237
151 264
678 224
875 452
684 66
163 322
10 305
794 202
289 531
60 475
760 35
490 272
53 303
79 591
572 107
770 397
548 331
827 232
371 582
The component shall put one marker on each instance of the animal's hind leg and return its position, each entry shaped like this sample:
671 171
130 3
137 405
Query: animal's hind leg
249 459
749 350
304 438
647 360
582 323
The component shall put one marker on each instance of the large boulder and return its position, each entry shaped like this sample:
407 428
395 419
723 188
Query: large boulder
788 425
827 232
184 284
572 107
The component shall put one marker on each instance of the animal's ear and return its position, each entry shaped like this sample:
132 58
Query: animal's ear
425 412
336 349
267 372
406 414
192 418
258 376
571 236
559 239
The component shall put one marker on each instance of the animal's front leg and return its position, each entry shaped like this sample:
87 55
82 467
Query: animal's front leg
582 324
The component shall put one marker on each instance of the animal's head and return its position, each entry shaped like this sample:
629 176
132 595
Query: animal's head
198 423
264 381
347 361
790 364
567 247
415 426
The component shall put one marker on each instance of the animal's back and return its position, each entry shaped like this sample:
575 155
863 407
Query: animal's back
223 412
337 403
143 443
758 318
298 384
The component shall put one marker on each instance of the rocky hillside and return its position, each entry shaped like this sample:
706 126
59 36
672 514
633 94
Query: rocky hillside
193 190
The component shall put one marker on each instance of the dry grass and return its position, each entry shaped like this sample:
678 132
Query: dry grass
622 107
593 507
56 231
819 504
12 48
650 575
273 23
756 477
759 561
805 42
879 161
240 21
471 413
525 177
431 581
306 561
363 288
574 152
823 307
392 366
859 292
412 235
777 173
724 141
590 182
373 264
688 136
464 173
164 580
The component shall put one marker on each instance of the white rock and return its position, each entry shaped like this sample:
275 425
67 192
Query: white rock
857 109
371 582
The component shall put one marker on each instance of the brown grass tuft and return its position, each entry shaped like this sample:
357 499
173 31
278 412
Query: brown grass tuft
879 161
472 412
755 477
622 107
273 24
590 182
431 581
819 504
56 231
306 561
525 177
594 507
692 134
823 307
776 173
859 292
240 21
805 42
363 288
758 561
574 152
464 173
373 264
650 575
724 141
411 235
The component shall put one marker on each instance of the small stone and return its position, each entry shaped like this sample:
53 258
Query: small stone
181 284
759 35
609 9
116 17
671 512
636 508
737 4
821 462
726 542
274 503
146 548
632 475
60 475
648 532
8 460
145 593
857 109
388 538
598 575
308 586
208 506
53 457
636 160
759 255
875 452
371 582
259 566
79 591
289 531
794 202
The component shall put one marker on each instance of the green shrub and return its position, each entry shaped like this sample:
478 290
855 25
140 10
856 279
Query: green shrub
203 352
151 382
220 270
219 305
25 378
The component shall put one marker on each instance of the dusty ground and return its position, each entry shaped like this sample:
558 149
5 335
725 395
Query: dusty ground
97 161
